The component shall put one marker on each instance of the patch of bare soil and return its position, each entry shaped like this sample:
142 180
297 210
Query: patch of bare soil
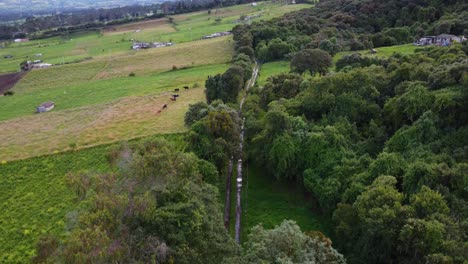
7 81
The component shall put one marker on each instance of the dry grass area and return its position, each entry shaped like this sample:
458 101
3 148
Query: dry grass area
123 119
202 52
137 26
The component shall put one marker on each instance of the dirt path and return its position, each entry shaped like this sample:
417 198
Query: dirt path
239 161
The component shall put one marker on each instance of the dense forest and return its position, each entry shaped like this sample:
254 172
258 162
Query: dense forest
380 143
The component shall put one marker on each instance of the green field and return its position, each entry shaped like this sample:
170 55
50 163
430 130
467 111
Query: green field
272 68
35 199
381 52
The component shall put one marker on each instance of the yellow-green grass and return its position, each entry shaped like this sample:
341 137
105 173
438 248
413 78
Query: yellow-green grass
271 68
88 45
159 25
36 201
124 119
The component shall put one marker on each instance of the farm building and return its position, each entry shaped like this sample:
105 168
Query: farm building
162 44
45 107
141 45
146 45
441 40
41 65
217 34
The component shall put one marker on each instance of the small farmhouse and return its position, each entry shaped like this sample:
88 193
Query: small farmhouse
45 107
146 45
41 65
441 40
18 40
217 34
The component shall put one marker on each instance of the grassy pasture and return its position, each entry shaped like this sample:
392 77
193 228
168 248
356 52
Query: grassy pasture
124 118
98 81
35 199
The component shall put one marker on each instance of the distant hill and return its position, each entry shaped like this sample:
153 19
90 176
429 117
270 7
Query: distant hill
61 5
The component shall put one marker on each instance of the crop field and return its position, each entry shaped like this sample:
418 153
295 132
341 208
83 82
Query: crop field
35 199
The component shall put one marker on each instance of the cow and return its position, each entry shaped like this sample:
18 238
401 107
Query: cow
175 95
186 87
176 89
164 106
173 98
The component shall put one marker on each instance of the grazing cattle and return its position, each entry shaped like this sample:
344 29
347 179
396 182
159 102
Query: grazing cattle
186 87
175 95
176 89
173 98
158 112
164 106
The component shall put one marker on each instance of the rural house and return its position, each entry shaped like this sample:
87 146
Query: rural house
441 40
41 65
45 107
217 34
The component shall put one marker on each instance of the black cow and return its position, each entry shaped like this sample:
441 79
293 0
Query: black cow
176 89
186 87
164 106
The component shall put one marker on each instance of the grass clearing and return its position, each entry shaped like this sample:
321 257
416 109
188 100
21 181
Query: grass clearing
269 201
381 52
272 68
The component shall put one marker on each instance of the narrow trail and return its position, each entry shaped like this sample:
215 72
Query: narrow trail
250 83
227 204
